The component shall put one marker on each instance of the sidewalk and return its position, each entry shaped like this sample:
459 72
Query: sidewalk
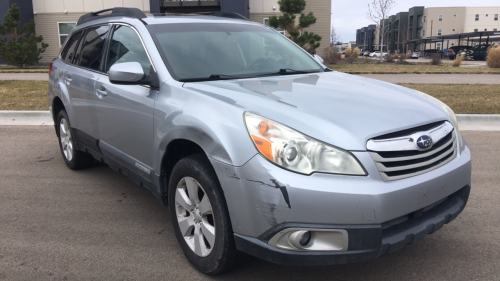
25 76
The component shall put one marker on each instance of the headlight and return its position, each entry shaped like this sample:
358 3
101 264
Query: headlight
297 152
446 108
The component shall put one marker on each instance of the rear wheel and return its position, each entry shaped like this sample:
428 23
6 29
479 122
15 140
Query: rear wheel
74 159
199 216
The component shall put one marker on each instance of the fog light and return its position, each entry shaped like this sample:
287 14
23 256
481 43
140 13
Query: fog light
304 240
297 239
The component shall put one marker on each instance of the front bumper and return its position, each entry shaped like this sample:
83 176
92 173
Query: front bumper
263 199
365 241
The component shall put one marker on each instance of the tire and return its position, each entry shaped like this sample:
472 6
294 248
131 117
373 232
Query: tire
196 172
452 57
74 159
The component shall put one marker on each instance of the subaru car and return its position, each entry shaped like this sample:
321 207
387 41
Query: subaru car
255 146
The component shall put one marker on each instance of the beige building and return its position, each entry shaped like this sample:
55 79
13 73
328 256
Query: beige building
455 20
56 18
261 10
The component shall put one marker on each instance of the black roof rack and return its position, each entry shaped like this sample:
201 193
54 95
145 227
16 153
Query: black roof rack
224 15
116 12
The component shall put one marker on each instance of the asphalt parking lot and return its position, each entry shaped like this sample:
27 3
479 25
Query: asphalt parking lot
57 224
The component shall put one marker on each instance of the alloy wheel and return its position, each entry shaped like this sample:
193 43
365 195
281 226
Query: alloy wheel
195 216
66 139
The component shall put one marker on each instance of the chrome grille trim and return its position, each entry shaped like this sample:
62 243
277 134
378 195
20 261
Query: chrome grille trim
399 158
404 143
387 178
383 168
379 158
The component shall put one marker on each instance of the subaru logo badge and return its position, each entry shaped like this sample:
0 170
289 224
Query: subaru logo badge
424 142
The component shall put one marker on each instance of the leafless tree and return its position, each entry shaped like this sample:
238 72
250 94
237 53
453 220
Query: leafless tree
378 11
334 37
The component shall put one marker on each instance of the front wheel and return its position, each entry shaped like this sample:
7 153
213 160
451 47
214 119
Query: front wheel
200 217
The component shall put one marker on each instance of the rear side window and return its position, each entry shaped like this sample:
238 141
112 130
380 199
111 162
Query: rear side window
68 53
126 46
92 47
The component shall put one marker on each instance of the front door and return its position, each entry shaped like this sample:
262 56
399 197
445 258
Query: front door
125 112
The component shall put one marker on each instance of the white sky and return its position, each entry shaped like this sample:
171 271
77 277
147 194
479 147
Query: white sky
349 15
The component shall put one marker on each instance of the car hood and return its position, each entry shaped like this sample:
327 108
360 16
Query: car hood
336 108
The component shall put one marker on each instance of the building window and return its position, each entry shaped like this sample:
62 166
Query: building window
266 22
453 29
494 29
477 17
486 14
455 15
496 16
453 44
440 17
423 20
439 32
439 46
475 30
64 28
423 32
485 29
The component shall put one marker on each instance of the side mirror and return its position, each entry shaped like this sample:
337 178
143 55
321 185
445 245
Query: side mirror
127 73
318 58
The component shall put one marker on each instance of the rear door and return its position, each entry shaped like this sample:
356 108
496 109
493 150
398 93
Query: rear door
125 112
80 78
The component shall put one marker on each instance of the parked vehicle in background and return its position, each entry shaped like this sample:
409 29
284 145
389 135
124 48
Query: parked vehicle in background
366 53
377 54
415 55
271 154
428 53
456 50
479 52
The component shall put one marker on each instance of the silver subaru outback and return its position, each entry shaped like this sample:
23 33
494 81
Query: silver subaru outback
256 147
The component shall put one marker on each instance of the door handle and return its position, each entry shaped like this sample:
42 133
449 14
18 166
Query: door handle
68 77
101 92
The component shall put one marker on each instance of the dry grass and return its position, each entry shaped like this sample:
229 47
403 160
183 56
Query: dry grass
402 57
331 55
390 58
410 68
458 61
436 59
23 95
355 53
493 59
347 52
464 99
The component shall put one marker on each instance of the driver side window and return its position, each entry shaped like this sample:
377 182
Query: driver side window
126 46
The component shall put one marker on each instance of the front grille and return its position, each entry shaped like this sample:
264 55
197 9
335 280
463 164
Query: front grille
399 157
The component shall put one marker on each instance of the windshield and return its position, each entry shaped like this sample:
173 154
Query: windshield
208 51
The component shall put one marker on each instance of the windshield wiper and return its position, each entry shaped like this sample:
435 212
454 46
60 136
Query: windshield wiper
222 76
211 77
284 71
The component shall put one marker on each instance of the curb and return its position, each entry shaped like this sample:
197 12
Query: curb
33 118
479 122
467 122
